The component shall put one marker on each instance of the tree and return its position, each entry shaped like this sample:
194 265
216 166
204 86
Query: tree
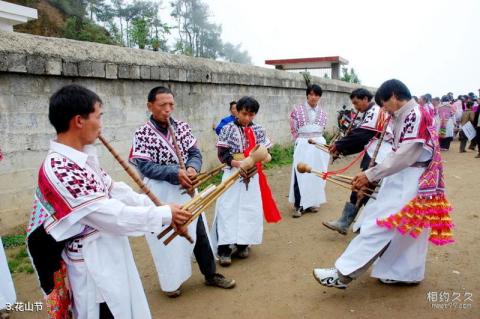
119 12
158 31
182 12
139 33
138 10
307 77
234 53
95 7
199 37
349 76
76 8
77 29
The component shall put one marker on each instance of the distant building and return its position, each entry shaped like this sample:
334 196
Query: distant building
331 63
13 14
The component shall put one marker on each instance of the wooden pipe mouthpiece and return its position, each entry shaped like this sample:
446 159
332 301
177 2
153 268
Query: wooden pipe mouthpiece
304 168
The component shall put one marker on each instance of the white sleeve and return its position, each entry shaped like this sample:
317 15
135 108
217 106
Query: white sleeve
115 217
128 196
406 155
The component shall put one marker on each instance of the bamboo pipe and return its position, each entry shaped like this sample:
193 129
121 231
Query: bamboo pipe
348 186
350 126
335 138
208 173
178 152
374 157
349 182
338 177
130 172
312 141
205 176
305 168
258 154
380 141
207 201
135 177
323 147
250 173
191 203
349 130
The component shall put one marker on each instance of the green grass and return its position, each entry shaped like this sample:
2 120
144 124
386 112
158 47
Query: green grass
216 179
19 261
281 156
13 240
16 251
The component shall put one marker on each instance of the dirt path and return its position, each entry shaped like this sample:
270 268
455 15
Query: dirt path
276 281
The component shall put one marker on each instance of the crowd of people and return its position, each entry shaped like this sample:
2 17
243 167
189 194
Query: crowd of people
452 115
78 231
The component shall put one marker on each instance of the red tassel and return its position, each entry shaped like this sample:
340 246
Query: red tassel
270 209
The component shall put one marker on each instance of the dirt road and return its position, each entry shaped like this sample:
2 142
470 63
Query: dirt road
276 281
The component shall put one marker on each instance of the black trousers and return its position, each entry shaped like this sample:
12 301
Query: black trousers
477 138
296 192
203 252
445 142
364 166
105 312
463 141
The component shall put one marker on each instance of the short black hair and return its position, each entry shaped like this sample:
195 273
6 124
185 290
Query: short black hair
152 95
390 88
361 94
315 89
249 104
445 99
427 97
68 102
232 104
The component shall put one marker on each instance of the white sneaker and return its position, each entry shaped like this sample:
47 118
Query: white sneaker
328 277
297 213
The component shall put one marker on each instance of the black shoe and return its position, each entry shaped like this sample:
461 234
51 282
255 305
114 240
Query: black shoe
219 280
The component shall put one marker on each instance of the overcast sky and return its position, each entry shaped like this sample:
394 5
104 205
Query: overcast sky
432 46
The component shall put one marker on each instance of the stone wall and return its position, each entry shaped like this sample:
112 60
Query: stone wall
32 68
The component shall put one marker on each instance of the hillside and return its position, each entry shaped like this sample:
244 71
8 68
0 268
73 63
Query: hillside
50 20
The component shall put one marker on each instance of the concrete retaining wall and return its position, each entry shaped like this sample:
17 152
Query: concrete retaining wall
32 68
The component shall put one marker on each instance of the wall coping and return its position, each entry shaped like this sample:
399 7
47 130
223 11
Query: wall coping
32 54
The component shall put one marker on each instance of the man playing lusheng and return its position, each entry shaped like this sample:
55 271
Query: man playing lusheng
410 200
154 155
238 214
308 121
370 125
81 220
